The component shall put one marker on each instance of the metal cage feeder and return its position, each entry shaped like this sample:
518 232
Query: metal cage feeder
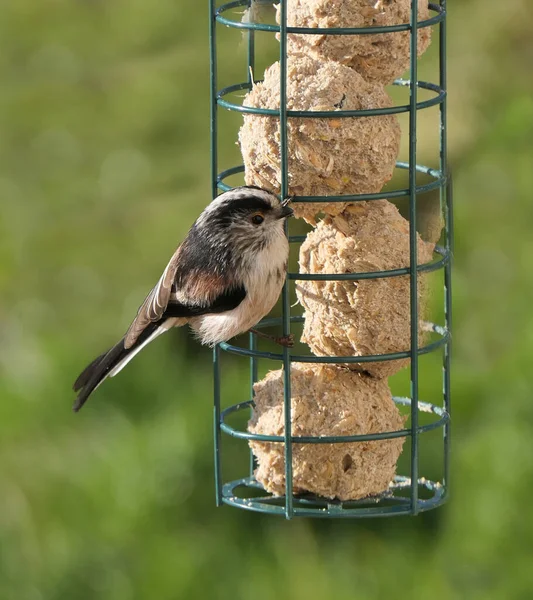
404 494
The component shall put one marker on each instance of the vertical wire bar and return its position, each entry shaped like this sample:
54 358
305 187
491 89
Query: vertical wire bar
214 191
413 279
251 52
253 338
448 317
446 203
213 104
216 424
286 317
253 379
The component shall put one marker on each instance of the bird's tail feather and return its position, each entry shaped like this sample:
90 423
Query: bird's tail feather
110 363
135 350
85 375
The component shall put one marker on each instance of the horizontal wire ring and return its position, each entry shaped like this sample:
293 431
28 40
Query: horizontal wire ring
336 439
332 114
442 341
440 181
423 268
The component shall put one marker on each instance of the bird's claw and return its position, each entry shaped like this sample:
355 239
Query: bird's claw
287 341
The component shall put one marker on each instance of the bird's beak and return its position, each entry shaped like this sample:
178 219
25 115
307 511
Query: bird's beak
286 210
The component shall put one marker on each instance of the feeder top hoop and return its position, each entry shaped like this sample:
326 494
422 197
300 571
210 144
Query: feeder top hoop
439 16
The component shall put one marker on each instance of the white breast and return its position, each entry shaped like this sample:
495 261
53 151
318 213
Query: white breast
264 280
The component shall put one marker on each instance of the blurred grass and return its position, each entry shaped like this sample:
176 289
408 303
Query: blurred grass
104 141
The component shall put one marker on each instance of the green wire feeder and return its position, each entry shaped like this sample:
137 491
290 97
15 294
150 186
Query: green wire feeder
411 493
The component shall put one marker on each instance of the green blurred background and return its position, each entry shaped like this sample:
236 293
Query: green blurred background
104 164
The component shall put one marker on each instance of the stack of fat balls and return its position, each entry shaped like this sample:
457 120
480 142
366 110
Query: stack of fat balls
333 157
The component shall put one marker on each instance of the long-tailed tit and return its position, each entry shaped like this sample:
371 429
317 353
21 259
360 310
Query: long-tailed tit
222 280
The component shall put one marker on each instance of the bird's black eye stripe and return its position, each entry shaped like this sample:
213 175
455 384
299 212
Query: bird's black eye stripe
241 207
249 203
257 219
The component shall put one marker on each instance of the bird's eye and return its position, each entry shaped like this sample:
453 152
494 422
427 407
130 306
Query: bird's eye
257 219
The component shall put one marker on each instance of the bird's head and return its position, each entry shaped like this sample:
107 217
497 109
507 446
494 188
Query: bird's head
248 217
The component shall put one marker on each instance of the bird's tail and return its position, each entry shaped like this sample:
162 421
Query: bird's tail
110 363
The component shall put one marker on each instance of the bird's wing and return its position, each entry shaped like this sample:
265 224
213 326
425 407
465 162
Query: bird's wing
185 291
155 303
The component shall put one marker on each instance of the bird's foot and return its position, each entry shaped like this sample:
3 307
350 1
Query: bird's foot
287 341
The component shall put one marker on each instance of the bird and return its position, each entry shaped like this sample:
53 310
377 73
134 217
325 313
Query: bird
222 280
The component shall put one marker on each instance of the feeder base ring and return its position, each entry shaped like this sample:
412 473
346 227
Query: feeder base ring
388 504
